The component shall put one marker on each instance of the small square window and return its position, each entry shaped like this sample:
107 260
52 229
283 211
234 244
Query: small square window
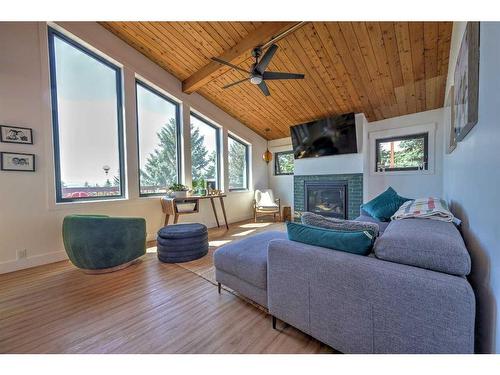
405 153
283 163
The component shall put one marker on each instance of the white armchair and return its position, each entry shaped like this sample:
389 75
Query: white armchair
265 203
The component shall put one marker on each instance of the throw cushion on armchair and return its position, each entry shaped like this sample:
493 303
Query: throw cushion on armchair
383 206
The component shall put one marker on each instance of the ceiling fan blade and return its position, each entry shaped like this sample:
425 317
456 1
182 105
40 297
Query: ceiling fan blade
229 64
264 89
266 59
280 75
235 83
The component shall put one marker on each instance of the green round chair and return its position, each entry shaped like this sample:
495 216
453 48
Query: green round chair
100 244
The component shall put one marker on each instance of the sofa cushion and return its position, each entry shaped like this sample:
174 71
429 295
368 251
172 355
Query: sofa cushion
355 242
424 243
383 206
382 225
315 220
247 258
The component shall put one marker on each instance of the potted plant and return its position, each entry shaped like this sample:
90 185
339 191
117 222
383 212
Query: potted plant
178 190
199 186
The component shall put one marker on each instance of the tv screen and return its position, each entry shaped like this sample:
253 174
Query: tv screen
330 136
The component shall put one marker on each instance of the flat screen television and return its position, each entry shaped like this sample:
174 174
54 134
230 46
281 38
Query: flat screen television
329 136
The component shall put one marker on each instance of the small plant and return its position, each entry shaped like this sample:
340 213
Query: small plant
178 187
199 184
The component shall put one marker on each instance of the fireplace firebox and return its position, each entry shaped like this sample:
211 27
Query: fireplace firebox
326 198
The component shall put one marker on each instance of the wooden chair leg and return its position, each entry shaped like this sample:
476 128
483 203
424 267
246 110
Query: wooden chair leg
255 216
274 322
219 287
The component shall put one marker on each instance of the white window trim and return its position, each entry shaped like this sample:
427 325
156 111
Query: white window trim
398 132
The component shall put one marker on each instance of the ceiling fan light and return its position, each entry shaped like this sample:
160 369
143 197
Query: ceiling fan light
256 80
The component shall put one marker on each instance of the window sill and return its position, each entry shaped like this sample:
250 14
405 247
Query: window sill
87 203
402 173
152 196
239 190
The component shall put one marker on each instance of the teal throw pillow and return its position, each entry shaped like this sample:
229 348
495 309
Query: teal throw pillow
383 206
355 242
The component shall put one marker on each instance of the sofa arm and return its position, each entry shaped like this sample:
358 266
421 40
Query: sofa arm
360 304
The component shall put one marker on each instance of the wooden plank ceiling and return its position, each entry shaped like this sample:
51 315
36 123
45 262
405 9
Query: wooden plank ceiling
383 69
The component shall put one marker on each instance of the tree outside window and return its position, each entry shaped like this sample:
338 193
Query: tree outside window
402 153
238 164
283 163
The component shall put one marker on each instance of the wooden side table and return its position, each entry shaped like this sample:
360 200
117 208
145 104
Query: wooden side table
287 214
170 206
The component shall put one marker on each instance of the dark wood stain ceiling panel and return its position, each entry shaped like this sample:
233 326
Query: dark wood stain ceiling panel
383 69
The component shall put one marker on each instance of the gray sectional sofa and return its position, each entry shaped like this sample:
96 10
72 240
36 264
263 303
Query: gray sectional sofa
410 295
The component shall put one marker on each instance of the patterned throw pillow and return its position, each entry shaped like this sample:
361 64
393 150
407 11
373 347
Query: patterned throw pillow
427 208
315 220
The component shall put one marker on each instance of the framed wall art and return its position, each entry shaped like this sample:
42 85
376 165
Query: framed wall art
466 83
14 134
13 161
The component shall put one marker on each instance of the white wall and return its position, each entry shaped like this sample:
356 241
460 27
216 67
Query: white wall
282 185
411 184
29 218
471 184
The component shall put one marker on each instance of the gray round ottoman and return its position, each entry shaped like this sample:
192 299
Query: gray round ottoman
182 242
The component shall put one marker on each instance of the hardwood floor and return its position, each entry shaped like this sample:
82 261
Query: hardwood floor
149 307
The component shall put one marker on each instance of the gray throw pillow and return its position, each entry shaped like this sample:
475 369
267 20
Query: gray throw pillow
308 218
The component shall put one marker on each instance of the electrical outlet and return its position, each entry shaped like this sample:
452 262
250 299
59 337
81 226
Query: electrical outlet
22 254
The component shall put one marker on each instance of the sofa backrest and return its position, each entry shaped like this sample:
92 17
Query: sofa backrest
424 243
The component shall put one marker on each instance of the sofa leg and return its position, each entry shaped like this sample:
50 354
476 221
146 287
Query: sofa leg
274 322
219 287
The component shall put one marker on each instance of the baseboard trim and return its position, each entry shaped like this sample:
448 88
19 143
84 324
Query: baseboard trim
37 260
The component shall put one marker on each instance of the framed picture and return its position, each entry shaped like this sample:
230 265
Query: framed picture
10 161
211 185
450 114
14 134
466 82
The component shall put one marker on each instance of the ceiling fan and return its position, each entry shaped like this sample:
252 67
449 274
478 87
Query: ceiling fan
258 74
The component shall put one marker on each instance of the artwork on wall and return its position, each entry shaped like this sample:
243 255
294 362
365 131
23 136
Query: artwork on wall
466 82
450 111
14 134
13 161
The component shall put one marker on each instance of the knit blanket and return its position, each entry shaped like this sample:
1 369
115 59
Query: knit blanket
428 208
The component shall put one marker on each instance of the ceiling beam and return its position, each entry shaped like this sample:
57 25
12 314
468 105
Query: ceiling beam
212 70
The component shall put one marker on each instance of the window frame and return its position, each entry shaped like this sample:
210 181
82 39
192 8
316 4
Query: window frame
424 135
276 163
247 163
217 145
178 133
51 35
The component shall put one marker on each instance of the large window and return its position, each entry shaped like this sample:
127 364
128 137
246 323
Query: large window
87 121
404 153
158 140
238 164
283 163
205 151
